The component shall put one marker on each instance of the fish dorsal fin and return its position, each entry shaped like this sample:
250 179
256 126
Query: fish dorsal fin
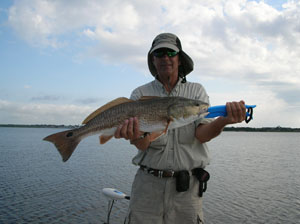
148 97
110 104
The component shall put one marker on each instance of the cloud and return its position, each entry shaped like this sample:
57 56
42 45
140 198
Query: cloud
250 43
45 98
35 113
90 100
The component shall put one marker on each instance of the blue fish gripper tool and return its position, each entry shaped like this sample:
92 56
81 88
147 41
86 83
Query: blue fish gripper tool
217 111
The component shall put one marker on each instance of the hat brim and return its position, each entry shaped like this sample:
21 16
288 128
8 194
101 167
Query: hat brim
165 45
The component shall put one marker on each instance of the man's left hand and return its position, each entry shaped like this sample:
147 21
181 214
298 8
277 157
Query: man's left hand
236 112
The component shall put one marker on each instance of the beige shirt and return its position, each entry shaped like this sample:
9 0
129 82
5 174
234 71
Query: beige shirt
178 149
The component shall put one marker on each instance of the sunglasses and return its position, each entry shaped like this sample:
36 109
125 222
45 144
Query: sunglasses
162 52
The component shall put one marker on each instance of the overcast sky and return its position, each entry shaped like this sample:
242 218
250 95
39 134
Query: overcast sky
61 59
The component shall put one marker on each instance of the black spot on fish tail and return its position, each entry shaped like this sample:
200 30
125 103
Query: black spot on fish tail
65 142
69 134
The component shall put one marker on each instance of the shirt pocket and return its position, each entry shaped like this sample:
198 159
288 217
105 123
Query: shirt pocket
186 134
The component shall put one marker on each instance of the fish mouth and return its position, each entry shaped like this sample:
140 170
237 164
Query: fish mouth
203 112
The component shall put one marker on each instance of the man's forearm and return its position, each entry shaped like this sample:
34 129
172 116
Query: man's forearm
141 144
206 132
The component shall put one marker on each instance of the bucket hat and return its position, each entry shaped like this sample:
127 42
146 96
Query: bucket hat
169 40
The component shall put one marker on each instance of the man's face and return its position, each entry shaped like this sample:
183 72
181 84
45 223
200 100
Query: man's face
165 65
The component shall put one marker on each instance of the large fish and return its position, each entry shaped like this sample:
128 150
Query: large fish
155 115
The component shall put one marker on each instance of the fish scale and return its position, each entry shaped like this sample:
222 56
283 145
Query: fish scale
108 119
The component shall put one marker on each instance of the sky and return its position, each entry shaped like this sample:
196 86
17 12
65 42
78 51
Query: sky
62 59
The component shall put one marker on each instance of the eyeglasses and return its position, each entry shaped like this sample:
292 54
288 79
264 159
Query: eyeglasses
162 52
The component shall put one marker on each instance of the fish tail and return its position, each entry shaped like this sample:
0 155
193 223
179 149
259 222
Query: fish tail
65 142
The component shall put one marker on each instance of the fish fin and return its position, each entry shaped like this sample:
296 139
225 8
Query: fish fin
111 104
167 126
65 143
148 97
104 138
155 135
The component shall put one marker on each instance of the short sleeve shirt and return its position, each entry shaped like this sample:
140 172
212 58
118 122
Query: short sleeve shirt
178 149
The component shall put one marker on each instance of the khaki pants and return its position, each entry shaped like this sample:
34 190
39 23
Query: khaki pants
155 201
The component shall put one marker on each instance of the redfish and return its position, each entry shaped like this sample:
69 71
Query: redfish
155 115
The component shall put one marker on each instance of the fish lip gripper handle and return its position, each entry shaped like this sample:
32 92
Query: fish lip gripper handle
216 111
249 114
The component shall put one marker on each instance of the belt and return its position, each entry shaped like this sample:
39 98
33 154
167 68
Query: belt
159 173
204 176
199 173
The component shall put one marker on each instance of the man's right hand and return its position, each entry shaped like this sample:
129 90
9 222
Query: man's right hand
130 131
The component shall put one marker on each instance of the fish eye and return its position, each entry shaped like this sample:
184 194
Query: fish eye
69 134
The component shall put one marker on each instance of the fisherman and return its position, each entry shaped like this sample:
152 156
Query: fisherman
169 184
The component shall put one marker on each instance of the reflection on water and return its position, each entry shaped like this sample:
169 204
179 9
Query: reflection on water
254 178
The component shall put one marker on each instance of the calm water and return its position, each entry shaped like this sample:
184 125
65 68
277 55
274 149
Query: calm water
255 178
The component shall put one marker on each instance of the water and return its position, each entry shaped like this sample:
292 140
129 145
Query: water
255 178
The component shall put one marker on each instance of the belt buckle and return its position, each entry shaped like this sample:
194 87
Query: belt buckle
172 172
160 173
150 171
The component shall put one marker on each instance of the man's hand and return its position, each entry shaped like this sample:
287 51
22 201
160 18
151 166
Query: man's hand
129 130
236 112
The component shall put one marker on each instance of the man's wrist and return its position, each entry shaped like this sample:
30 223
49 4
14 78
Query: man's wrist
143 136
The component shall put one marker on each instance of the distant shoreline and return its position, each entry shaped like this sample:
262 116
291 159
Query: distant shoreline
247 129
38 126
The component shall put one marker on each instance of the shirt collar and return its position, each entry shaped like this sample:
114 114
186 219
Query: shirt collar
162 88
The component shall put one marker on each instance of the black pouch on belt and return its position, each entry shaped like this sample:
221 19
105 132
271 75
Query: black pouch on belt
202 176
182 181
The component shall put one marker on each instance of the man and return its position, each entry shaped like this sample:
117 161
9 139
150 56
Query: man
157 195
